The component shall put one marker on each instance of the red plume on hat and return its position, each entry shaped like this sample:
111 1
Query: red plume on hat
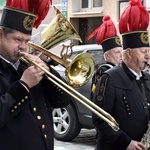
135 17
106 35
104 31
133 25
39 7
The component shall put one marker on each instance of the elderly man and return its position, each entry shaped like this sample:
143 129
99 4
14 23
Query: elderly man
124 90
111 45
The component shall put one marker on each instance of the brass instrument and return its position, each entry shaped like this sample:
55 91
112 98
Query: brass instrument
146 138
77 96
59 30
75 69
78 71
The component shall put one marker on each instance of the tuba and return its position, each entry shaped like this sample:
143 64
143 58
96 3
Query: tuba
59 30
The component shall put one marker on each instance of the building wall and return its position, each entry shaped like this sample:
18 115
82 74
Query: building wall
110 7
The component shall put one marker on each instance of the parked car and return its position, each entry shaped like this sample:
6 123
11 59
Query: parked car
69 121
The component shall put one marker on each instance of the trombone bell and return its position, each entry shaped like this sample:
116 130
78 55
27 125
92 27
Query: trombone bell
80 70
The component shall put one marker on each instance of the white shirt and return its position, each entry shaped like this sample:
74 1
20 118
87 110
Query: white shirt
137 75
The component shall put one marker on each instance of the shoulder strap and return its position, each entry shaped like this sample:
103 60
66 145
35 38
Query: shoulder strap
102 68
107 65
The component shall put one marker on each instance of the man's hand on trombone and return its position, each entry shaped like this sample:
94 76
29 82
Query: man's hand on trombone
33 74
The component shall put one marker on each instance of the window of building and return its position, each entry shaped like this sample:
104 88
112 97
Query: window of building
147 4
85 3
90 5
87 26
97 3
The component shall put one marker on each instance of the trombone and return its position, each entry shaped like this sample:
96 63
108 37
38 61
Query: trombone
70 90
78 71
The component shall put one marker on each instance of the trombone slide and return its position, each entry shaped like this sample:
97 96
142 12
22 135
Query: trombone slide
79 97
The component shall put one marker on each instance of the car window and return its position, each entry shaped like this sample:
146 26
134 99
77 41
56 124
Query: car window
98 56
74 54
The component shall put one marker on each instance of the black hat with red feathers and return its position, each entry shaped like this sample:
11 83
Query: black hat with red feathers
23 15
106 35
133 25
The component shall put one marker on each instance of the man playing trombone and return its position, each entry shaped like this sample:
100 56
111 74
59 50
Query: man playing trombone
26 96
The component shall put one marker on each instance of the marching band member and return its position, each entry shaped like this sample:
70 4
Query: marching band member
26 96
124 91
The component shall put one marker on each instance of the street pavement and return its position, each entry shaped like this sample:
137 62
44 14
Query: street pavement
84 141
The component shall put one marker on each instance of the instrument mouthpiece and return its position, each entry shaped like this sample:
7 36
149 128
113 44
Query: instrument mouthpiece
19 53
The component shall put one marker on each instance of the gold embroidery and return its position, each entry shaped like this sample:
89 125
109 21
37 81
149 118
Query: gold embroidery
117 40
144 38
28 23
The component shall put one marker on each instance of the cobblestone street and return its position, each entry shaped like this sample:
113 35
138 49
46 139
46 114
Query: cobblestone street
85 141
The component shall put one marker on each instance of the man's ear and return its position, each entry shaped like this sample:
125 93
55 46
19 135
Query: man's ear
1 33
106 55
129 52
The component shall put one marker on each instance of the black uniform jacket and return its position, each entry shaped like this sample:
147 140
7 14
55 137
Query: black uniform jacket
118 93
26 117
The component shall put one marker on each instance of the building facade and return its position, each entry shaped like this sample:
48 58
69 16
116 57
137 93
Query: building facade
85 15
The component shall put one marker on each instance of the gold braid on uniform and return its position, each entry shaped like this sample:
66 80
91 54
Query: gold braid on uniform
102 89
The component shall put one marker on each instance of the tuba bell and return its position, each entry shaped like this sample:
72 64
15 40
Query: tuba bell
59 30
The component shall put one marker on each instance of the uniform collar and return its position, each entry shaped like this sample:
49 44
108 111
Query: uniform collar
138 76
14 65
132 74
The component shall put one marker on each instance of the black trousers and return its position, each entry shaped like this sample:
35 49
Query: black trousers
101 143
